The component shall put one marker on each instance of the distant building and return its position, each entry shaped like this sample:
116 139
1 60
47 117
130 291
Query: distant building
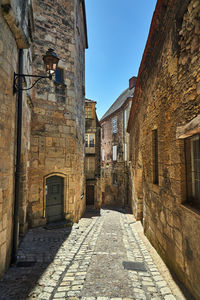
164 128
92 155
115 149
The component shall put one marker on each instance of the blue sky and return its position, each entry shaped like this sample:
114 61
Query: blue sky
117 34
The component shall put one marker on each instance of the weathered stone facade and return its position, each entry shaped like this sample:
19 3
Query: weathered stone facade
114 171
58 123
16 28
92 155
165 111
48 134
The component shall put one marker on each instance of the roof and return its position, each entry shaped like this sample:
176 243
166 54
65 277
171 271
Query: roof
90 101
119 102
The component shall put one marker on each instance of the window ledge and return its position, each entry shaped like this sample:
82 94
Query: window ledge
191 209
60 84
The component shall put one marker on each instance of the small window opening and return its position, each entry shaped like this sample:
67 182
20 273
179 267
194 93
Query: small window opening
59 75
155 156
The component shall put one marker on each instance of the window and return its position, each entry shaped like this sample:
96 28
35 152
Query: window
88 112
86 140
90 140
125 119
59 76
103 155
115 152
155 156
114 125
125 152
114 177
192 154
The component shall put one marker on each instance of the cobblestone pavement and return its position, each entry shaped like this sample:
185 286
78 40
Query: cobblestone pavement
102 257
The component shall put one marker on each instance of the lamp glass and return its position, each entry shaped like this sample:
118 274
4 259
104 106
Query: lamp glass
51 61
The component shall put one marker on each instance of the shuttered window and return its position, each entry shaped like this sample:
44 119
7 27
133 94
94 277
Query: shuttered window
114 125
88 112
103 155
115 152
125 152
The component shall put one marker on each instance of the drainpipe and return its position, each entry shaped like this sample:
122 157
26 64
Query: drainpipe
18 161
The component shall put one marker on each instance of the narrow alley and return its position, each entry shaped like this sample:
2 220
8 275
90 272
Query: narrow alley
104 256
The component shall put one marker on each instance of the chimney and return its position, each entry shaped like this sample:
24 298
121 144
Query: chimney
132 82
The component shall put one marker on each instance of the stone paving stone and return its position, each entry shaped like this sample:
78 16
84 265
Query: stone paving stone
169 297
161 283
88 264
165 291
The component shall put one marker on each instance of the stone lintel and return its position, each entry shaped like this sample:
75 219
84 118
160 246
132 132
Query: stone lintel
14 24
193 127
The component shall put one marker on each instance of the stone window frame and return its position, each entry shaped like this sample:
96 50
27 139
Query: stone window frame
184 132
192 163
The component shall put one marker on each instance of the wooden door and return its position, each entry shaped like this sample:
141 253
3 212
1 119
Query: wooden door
54 199
90 195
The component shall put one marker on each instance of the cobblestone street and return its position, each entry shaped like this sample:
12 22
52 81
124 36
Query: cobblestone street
102 257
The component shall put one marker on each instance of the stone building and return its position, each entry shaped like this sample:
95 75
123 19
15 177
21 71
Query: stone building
164 128
16 30
92 155
41 130
114 149
56 177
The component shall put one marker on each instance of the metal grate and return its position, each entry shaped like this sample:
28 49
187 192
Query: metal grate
134 266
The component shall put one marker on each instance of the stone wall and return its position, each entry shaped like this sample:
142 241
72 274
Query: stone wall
13 34
57 130
92 126
115 193
167 99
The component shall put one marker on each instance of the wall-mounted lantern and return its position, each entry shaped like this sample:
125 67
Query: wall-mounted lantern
50 61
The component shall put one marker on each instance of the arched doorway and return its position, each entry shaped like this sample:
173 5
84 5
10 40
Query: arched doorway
54 199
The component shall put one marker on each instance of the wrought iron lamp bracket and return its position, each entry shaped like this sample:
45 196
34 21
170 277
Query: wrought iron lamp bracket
17 83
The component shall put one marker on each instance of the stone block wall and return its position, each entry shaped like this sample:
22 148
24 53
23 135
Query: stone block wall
167 99
13 34
115 193
58 120
92 126
8 61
